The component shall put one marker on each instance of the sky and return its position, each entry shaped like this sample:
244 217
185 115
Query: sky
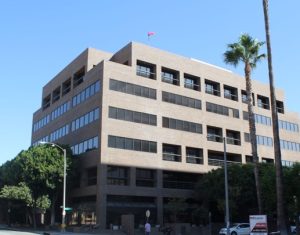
39 38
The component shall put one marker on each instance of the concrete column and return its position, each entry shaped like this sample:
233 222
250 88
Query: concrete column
101 202
132 177
159 179
159 206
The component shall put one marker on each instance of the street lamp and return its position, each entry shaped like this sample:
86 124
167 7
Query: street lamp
226 188
65 182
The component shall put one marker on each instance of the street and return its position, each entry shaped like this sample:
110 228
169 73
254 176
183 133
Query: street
9 232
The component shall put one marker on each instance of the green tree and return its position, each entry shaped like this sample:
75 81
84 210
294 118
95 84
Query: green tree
281 224
176 206
210 192
246 50
41 168
22 193
9 173
292 196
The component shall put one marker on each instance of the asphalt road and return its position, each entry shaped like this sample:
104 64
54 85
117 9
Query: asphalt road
8 232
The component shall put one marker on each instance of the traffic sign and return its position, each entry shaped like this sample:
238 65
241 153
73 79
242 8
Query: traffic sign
67 208
147 213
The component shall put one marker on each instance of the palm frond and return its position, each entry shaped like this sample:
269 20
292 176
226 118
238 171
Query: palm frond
246 50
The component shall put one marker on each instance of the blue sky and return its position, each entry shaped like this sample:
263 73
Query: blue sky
39 38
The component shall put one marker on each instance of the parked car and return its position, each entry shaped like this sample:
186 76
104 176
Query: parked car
237 229
293 229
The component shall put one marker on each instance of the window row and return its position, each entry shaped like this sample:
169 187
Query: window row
61 132
288 126
60 110
63 89
261 119
181 100
85 119
132 144
86 93
172 76
223 110
181 125
41 123
287 163
119 175
85 146
132 89
44 139
132 116
173 153
76 124
261 140
82 96
215 134
288 145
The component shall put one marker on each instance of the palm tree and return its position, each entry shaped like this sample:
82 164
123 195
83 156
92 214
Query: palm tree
246 50
281 222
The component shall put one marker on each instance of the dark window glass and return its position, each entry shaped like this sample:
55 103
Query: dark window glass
165 122
121 114
137 145
137 117
138 90
112 141
129 116
128 143
153 120
145 118
120 142
145 146
153 147
130 89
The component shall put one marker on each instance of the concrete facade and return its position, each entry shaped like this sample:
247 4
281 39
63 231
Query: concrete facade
185 150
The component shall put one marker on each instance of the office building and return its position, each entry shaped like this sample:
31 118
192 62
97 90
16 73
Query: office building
146 124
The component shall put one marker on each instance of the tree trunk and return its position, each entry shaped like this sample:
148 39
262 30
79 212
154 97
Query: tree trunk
281 222
34 214
54 198
252 129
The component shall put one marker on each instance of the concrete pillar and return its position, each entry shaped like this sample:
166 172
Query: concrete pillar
159 198
132 177
159 179
159 206
101 202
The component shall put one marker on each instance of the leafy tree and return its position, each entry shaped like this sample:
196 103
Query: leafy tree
41 168
210 192
22 193
292 199
9 173
281 224
176 206
246 50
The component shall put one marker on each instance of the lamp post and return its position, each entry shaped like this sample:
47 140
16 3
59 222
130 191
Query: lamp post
226 189
64 183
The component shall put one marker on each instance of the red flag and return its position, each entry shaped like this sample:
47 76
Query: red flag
151 34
